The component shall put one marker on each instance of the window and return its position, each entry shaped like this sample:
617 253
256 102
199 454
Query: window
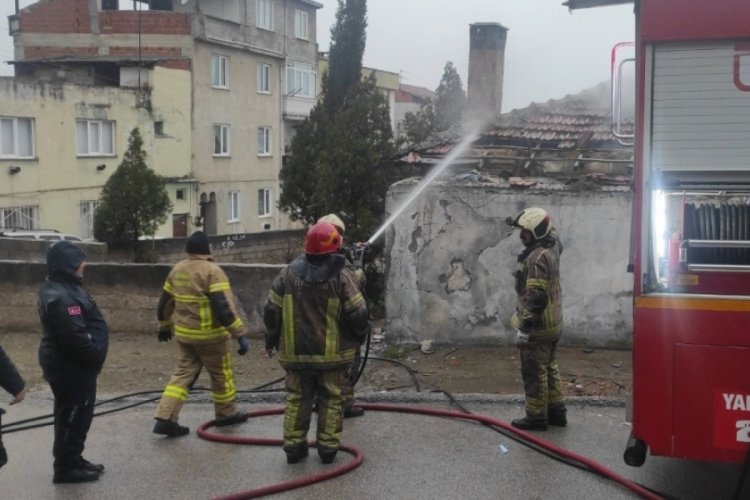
264 14
300 79
300 24
16 137
95 138
159 129
19 217
264 141
264 202
234 206
221 140
264 78
180 194
88 209
220 72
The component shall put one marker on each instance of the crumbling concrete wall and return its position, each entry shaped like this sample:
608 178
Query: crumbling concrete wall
451 257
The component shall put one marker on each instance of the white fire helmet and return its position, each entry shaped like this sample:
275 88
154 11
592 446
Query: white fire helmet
536 220
335 220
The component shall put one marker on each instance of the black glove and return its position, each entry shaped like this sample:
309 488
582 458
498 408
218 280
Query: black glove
165 334
244 345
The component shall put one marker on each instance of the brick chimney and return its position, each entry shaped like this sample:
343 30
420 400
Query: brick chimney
486 68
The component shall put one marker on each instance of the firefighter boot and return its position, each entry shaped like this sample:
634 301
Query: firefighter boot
326 455
169 428
294 455
353 411
557 417
237 418
529 425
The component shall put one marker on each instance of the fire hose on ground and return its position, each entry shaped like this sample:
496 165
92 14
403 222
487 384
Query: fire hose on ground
525 438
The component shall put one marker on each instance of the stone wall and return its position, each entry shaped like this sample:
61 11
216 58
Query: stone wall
451 257
127 294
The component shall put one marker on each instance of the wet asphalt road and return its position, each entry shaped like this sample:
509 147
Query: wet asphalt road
406 457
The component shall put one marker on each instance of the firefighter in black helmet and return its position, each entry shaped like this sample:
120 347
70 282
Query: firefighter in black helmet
317 318
538 320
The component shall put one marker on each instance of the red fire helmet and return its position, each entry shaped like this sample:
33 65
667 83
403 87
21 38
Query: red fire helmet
322 238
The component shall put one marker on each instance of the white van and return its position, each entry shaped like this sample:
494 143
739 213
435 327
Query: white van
37 234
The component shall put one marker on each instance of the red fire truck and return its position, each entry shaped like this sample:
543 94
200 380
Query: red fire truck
690 246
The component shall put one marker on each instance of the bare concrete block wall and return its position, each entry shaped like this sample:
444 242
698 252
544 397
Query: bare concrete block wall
127 294
451 257
271 247
36 250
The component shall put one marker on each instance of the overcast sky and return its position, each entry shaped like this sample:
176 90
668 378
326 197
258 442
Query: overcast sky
550 52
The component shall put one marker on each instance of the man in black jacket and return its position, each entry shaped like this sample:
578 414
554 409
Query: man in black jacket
11 381
73 349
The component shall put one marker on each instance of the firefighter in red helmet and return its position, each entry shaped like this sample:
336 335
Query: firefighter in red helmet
316 317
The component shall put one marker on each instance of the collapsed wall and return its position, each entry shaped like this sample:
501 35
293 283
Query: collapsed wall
451 257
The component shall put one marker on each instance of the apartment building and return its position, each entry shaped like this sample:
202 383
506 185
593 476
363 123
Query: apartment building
216 85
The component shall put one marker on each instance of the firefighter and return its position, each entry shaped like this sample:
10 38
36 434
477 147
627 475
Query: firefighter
75 339
317 318
538 320
350 411
11 381
196 306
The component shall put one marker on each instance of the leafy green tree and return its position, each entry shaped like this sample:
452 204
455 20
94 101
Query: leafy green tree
341 154
450 99
420 125
134 201
348 38
440 113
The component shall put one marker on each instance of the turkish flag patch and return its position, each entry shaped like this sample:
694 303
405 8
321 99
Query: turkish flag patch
74 310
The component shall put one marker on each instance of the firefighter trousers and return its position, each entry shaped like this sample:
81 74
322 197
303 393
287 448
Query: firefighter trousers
541 379
303 387
347 390
217 359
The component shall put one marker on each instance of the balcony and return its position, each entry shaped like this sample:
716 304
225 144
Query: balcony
297 108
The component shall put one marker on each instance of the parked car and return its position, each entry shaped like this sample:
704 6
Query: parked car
38 234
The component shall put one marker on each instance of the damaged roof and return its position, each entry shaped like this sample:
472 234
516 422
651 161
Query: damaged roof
575 121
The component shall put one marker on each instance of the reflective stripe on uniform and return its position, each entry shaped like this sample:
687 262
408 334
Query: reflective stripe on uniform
229 388
176 392
218 287
332 326
354 302
287 325
537 283
274 298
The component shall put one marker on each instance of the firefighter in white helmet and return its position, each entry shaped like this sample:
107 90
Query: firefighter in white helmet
538 320
349 410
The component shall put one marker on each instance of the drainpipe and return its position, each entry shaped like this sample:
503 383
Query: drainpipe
17 7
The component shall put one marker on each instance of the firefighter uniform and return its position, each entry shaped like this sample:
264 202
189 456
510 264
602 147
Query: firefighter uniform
196 304
317 318
538 320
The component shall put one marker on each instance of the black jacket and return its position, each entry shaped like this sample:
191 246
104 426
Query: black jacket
10 379
75 337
